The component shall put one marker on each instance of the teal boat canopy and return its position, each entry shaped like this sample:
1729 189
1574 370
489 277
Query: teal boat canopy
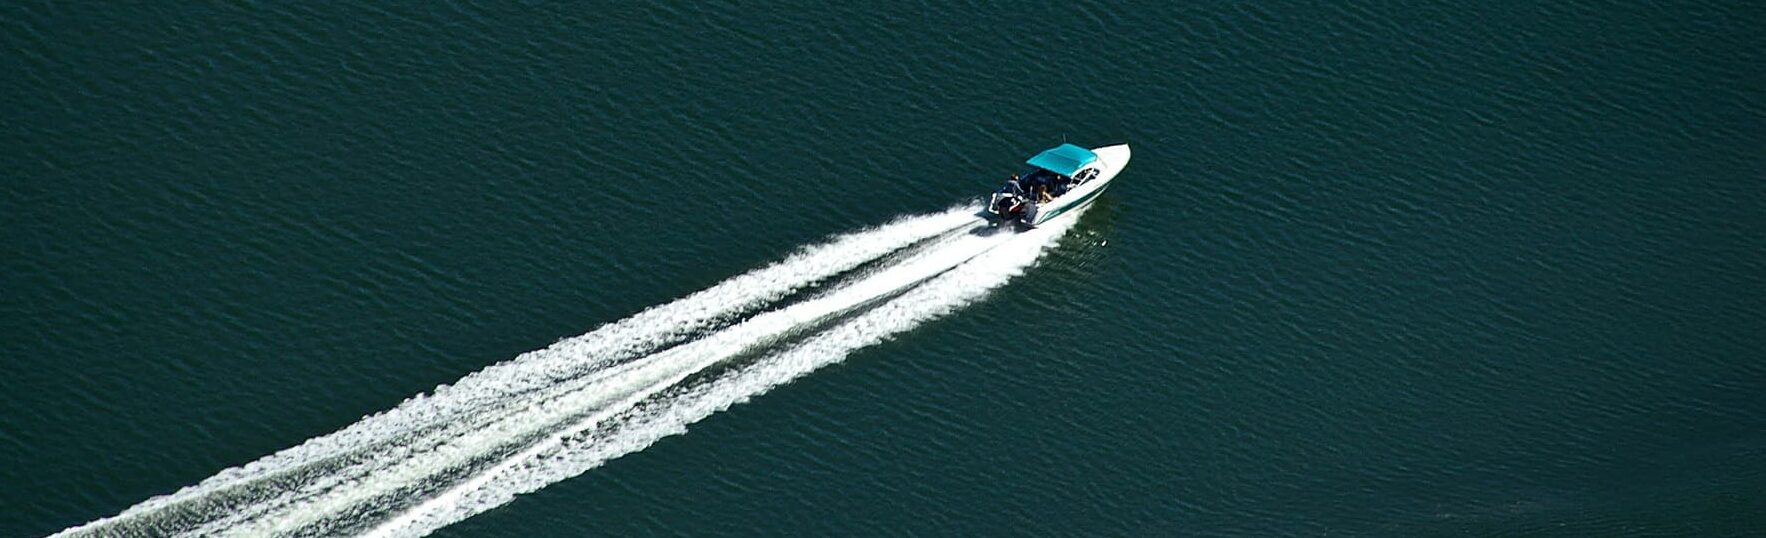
1064 159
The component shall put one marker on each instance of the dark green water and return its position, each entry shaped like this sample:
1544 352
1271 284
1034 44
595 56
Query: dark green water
1384 269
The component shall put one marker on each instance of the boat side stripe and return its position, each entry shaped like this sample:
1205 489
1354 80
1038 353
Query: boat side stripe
1076 203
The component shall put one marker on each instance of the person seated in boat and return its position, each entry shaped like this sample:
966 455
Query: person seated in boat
1042 194
1061 186
1044 184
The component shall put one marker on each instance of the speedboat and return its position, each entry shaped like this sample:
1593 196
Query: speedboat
1060 180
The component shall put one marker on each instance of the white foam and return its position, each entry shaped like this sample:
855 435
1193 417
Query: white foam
554 413
608 394
587 444
510 383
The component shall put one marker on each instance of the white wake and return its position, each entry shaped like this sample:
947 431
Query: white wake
554 413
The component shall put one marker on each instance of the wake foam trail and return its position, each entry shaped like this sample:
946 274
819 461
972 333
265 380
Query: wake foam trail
354 456
543 423
654 411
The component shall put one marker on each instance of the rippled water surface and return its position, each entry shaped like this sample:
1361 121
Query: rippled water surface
1382 269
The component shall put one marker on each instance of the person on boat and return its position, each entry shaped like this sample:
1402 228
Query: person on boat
1042 194
1013 186
1062 185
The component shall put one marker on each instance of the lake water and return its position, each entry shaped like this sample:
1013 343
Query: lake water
1376 269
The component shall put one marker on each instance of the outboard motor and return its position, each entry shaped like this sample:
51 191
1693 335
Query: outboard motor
1002 205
